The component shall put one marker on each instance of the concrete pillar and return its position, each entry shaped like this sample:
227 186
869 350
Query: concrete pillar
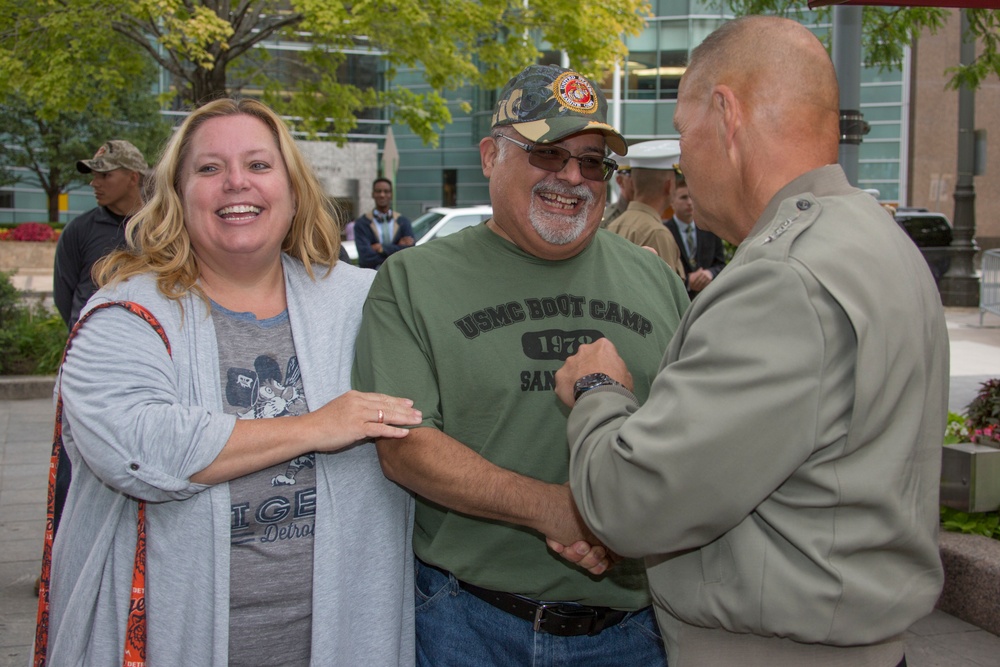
960 285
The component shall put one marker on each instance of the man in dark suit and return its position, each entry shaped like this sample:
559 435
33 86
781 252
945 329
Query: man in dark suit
708 256
382 231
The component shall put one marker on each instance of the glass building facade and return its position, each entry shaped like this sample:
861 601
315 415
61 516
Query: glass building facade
450 174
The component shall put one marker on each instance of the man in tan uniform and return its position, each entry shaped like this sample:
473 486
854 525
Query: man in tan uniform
781 479
653 180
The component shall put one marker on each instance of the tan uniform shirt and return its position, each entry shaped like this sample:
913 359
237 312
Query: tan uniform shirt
641 225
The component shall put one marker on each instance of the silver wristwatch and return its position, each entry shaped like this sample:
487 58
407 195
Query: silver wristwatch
588 382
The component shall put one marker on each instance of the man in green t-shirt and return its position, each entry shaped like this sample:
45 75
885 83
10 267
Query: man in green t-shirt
473 327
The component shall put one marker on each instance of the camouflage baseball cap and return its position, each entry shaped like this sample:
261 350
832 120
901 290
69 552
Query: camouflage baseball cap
114 154
547 103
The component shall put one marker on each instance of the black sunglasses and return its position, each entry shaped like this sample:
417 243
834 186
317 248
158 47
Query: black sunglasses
553 158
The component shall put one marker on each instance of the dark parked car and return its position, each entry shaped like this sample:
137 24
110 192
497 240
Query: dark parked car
932 234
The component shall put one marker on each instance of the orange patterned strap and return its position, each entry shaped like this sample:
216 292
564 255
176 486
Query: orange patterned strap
135 633
135 630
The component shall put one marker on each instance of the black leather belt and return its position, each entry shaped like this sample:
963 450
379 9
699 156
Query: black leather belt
556 618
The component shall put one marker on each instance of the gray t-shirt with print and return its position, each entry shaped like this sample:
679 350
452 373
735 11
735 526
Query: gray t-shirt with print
270 597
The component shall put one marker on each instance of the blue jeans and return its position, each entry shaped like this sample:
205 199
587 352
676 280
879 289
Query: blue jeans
457 629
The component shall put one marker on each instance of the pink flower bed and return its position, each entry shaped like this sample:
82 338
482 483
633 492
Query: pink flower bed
30 231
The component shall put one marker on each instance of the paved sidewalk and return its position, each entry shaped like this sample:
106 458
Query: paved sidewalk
975 354
939 640
25 441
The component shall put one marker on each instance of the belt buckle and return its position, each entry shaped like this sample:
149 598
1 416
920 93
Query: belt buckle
566 611
539 616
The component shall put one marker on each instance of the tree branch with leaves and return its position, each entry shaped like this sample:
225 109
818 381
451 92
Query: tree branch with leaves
213 48
887 30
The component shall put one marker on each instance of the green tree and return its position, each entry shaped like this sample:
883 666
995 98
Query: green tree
886 30
58 62
48 146
64 92
213 48
984 26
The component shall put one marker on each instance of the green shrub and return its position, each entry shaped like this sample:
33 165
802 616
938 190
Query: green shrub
9 299
983 414
957 429
31 336
979 424
728 250
971 523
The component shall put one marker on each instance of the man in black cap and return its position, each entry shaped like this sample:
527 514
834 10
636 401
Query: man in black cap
489 462
118 169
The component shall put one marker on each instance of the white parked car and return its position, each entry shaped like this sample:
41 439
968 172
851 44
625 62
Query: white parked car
352 250
436 222
442 221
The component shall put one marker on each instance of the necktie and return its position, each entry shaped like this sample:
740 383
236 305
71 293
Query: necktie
689 240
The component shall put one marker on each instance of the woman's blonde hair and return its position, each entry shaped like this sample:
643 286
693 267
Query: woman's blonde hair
158 240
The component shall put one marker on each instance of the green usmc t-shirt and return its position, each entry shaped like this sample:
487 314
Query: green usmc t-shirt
473 330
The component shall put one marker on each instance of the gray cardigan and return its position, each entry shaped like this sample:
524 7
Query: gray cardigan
140 423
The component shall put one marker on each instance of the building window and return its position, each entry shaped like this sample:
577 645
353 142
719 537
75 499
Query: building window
6 199
672 65
449 187
640 75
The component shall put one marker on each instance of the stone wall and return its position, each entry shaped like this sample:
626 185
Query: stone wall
971 579
346 172
24 255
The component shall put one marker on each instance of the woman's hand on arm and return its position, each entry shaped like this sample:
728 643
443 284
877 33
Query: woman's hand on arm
256 444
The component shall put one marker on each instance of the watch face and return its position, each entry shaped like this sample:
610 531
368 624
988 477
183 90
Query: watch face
594 379
591 381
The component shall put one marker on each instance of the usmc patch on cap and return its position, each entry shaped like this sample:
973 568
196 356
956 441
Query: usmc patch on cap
574 92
